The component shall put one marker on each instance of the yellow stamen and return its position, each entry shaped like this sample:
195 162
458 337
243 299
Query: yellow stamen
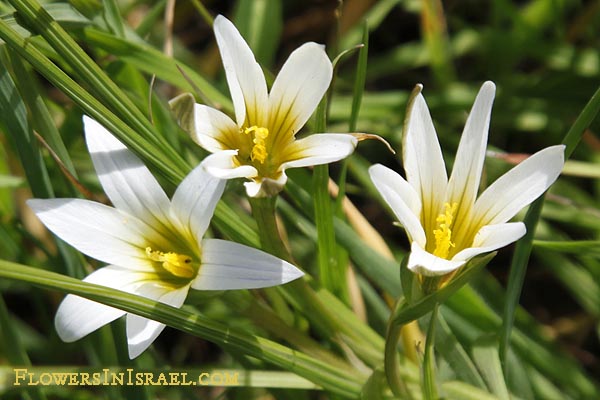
259 150
443 234
179 265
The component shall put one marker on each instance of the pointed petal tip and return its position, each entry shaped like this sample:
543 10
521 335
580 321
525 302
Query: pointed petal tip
426 264
290 273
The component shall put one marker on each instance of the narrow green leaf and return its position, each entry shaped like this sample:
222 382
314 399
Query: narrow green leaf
260 23
16 126
523 249
92 106
587 247
153 61
455 355
43 122
91 73
485 354
14 351
113 17
461 391
332 274
330 378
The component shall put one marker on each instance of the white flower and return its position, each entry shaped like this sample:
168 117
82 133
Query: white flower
153 245
444 219
261 143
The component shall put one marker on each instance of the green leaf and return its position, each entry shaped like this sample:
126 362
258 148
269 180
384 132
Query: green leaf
260 23
153 61
343 383
485 354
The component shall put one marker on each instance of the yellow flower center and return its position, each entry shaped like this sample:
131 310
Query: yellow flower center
443 233
179 265
259 150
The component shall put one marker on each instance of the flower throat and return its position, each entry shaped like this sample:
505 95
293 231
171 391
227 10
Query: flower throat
179 265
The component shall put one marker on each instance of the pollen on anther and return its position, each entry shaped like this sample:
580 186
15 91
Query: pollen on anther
443 233
177 264
259 150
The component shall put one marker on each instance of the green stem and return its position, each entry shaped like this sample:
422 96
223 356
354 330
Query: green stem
263 211
327 314
391 359
429 384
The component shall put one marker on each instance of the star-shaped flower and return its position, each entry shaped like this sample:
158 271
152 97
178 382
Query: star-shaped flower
261 144
444 219
153 245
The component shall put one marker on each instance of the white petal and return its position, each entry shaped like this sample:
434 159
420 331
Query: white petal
227 265
492 237
265 187
424 263
223 165
76 317
141 332
423 162
298 88
100 231
319 149
519 186
402 199
466 173
125 179
214 131
195 200
244 76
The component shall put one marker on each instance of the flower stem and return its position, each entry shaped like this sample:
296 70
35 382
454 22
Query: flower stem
327 314
428 379
391 364
263 211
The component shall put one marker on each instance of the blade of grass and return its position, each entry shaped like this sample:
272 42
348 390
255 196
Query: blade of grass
88 71
485 354
91 106
359 87
518 266
14 351
332 275
113 17
20 134
153 61
43 121
433 29
260 23
343 383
